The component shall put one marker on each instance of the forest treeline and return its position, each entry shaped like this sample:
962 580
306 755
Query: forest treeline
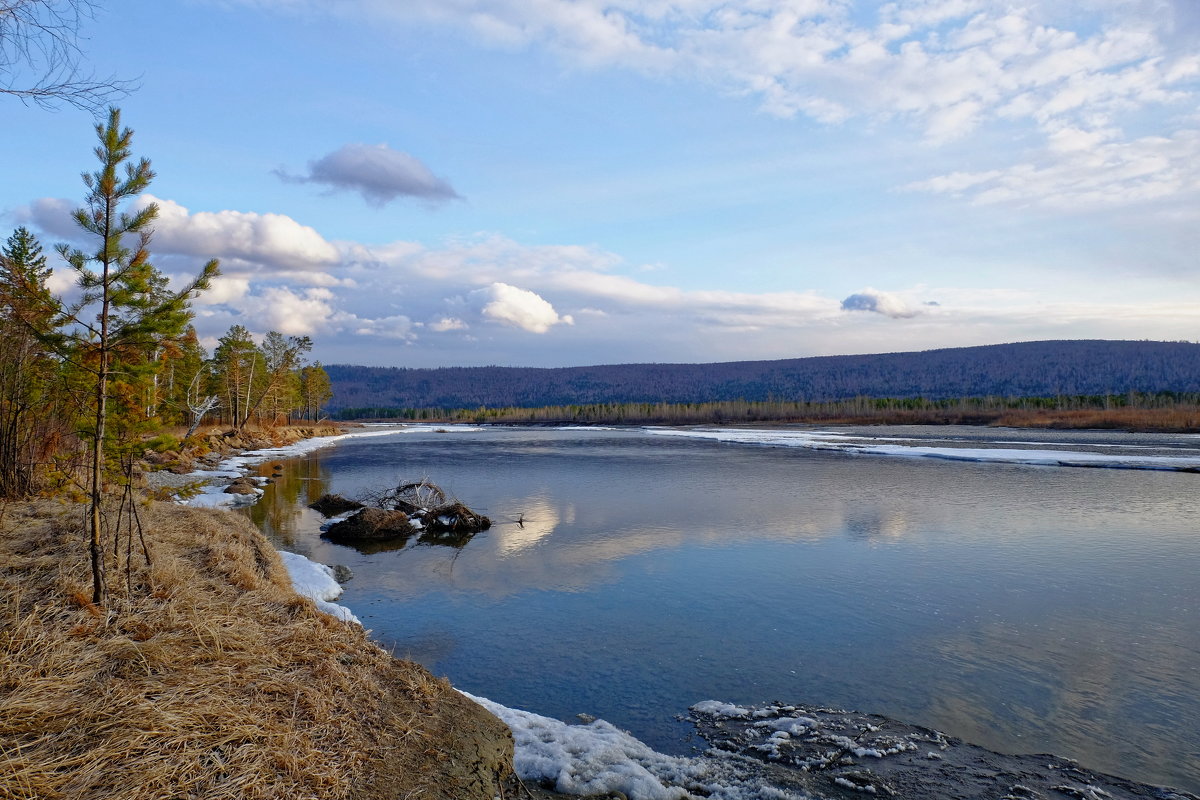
1157 411
1046 369
91 377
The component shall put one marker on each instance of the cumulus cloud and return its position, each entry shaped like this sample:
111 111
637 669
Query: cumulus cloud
224 290
377 172
886 303
519 308
292 313
274 241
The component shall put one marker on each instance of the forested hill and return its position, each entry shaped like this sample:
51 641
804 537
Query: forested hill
1026 369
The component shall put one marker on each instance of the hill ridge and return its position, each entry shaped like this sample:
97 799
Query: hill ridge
1018 369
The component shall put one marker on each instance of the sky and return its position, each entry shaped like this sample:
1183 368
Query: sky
430 183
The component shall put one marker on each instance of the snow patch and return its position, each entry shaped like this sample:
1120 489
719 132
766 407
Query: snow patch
316 582
598 758
719 709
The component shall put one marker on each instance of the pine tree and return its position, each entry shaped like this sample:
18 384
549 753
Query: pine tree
125 310
30 422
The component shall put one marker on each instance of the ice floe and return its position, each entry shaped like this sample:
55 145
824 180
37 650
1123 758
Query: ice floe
912 448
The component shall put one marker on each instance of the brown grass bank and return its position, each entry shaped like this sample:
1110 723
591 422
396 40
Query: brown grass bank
210 678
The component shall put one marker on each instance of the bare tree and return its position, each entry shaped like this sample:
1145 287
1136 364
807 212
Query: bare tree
41 61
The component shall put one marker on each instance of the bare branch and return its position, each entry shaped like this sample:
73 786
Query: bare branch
41 60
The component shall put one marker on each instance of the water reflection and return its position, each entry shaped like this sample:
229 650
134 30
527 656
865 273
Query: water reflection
282 511
1026 608
1119 706
537 520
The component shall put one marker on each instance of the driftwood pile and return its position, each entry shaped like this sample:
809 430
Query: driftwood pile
418 508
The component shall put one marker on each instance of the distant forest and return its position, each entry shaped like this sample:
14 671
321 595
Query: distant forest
1025 369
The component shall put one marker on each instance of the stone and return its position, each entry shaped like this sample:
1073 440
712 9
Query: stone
370 525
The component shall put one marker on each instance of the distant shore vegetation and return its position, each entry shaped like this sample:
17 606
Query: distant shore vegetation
1158 411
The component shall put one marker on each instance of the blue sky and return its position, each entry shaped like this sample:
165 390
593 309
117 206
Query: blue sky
565 182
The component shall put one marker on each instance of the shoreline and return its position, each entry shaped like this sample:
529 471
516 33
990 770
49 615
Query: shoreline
533 732
569 755
1083 420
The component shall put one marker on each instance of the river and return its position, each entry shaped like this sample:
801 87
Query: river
922 573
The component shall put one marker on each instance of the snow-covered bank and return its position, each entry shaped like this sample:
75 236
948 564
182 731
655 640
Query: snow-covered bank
213 494
599 758
309 579
316 582
914 448
785 752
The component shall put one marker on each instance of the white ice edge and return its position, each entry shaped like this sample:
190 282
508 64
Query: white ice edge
862 445
316 582
598 758
212 495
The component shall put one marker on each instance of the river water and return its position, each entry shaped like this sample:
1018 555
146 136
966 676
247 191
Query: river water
921 573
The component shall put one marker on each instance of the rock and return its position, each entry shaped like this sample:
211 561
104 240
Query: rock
846 755
341 573
370 525
333 504
242 486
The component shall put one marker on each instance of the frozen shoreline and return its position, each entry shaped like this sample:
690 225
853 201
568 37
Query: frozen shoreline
859 444
309 578
598 757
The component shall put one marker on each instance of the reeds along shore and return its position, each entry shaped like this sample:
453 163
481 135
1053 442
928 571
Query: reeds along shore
1166 412
207 676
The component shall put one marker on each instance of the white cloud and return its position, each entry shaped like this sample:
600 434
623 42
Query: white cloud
224 289
520 308
1085 174
52 215
448 324
947 67
397 326
274 241
294 314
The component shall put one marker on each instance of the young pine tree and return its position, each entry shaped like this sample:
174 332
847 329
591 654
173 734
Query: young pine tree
125 309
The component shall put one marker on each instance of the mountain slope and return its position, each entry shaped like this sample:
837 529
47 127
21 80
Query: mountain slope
1024 369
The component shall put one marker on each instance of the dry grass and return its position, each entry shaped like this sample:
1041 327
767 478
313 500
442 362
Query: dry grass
212 679
1180 418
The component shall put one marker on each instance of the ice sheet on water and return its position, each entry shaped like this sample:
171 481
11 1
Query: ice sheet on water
887 446
598 758
316 582
421 427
